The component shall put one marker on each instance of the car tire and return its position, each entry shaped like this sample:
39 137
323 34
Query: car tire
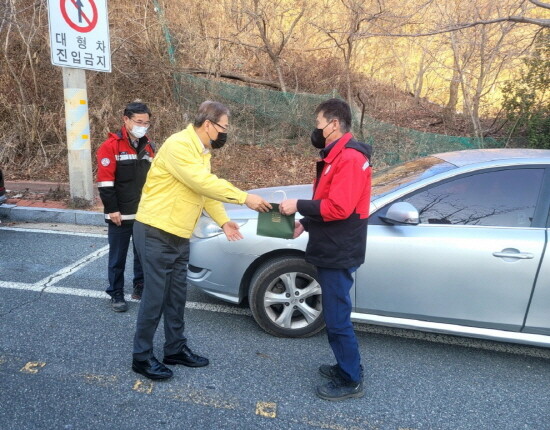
285 298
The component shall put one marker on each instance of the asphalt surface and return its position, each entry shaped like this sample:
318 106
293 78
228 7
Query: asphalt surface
65 360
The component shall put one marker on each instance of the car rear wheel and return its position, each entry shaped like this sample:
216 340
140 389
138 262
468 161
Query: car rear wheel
285 298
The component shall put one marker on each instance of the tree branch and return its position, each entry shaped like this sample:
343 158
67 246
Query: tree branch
540 4
519 19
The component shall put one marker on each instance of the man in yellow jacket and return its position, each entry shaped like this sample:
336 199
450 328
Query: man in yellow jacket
178 187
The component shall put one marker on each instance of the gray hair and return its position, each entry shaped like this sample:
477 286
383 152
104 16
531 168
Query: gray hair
211 111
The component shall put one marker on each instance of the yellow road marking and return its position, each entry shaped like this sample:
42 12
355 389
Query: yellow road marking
32 367
143 386
266 409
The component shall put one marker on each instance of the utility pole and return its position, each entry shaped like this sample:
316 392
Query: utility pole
78 134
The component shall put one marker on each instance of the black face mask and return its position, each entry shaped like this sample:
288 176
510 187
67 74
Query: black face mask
220 141
317 138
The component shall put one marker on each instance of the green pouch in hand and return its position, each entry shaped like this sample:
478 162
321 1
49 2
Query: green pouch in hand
275 224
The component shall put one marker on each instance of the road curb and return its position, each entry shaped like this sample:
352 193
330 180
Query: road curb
61 216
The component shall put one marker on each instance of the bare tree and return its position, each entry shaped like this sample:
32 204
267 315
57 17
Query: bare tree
417 60
479 54
450 108
345 35
266 27
21 29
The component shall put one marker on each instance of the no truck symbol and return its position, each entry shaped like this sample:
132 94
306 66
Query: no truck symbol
81 15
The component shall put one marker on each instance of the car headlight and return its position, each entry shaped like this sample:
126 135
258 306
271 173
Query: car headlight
207 227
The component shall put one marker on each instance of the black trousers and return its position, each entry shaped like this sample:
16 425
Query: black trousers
119 242
164 259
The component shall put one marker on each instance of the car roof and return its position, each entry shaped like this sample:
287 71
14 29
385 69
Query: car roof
474 156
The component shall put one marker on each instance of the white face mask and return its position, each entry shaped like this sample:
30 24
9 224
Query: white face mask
139 131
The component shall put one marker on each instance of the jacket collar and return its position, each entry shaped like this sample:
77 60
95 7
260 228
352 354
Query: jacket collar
337 148
199 146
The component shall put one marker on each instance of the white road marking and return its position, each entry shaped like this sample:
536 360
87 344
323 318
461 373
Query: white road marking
94 294
20 286
77 265
68 233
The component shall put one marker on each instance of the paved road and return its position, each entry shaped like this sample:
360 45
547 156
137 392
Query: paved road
65 361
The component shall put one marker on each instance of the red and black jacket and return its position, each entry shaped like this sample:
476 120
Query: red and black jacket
337 216
121 173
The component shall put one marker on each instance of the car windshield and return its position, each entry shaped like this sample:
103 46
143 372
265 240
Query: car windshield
396 177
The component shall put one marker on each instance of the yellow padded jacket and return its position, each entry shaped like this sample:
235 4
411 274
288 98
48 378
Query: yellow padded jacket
180 185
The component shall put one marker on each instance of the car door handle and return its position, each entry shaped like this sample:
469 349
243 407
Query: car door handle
518 255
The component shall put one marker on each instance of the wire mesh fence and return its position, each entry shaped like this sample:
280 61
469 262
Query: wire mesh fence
266 116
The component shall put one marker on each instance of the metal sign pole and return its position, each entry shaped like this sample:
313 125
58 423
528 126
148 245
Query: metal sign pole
78 134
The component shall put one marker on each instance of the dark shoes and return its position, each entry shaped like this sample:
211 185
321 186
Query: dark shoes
339 389
333 372
138 291
118 303
151 368
187 358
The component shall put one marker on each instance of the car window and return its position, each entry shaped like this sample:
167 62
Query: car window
504 198
404 174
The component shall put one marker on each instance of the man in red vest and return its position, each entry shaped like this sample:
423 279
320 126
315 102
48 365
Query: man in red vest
336 221
123 161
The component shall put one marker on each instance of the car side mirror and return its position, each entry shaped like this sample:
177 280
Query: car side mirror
401 213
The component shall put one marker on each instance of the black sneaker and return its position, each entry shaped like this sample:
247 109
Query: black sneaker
338 389
138 291
118 303
333 372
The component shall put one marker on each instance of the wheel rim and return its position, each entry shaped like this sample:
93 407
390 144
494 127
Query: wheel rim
293 300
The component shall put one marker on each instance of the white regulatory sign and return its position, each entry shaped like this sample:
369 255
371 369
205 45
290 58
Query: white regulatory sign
79 34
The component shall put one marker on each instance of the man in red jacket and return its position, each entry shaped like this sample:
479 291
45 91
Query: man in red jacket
336 220
123 161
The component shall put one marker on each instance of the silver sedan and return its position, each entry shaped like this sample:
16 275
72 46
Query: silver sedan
456 244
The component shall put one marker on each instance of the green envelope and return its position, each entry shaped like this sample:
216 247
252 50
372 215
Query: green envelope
275 224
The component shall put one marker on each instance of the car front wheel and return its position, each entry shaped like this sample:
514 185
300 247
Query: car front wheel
285 298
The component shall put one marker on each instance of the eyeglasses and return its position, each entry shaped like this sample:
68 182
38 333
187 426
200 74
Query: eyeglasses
328 123
221 126
141 123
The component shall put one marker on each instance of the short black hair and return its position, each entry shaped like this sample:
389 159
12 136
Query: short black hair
336 109
136 107
211 111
